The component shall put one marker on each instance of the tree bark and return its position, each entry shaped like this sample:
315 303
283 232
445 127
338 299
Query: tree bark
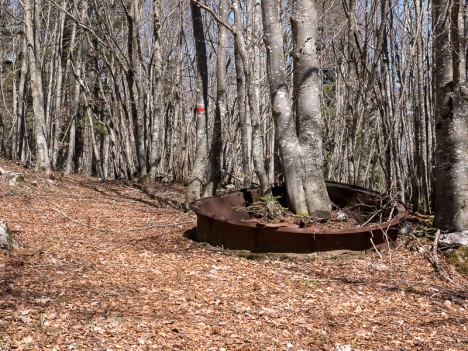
290 149
254 107
198 174
307 94
451 118
32 13
244 120
214 166
157 98
134 93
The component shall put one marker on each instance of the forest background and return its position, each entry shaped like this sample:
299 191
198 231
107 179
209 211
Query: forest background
109 88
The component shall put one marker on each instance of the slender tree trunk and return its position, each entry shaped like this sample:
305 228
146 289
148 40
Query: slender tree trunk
244 120
254 107
198 174
21 144
157 103
57 120
214 165
74 117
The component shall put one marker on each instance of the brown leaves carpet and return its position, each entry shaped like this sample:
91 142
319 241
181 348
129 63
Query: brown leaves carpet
108 266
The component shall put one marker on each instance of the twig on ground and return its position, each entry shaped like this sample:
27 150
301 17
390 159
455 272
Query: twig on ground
434 260
435 246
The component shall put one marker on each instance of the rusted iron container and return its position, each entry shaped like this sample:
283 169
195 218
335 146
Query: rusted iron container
221 223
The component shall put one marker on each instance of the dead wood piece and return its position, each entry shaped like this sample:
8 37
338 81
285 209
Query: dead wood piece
7 241
13 177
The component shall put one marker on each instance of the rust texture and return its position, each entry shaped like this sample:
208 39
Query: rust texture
220 223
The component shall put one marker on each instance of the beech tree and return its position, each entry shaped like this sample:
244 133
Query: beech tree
32 15
299 134
451 115
198 175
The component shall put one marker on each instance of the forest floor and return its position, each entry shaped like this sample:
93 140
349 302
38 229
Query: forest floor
109 266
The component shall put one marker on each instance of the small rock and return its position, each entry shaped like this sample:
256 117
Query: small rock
382 267
26 319
406 229
43 300
342 216
448 303
455 238
417 248
13 181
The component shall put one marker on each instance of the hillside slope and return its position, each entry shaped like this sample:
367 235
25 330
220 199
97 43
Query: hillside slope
107 266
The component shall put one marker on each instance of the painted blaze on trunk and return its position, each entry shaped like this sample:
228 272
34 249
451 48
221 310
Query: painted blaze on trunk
298 126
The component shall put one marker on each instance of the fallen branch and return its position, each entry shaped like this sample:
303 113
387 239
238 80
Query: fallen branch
435 246
159 225
14 176
434 260
5 172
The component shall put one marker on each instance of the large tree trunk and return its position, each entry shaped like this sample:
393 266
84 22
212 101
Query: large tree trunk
290 150
451 117
307 86
32 13
301 153
133 88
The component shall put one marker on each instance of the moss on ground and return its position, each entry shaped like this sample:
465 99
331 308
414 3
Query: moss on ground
458 258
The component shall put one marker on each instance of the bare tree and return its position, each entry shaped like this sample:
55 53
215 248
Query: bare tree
198 175
214 165
32 14
307 95
451 115
299 140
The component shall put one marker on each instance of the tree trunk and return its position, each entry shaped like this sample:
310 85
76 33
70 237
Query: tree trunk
134 93
214 165
290 150
254 107
21 141
32 13
198 174
307 87
244 120
157 90
451 117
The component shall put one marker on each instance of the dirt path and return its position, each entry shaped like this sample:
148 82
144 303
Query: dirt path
86 278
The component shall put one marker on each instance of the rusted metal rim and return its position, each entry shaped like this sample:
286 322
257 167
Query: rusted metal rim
220 223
